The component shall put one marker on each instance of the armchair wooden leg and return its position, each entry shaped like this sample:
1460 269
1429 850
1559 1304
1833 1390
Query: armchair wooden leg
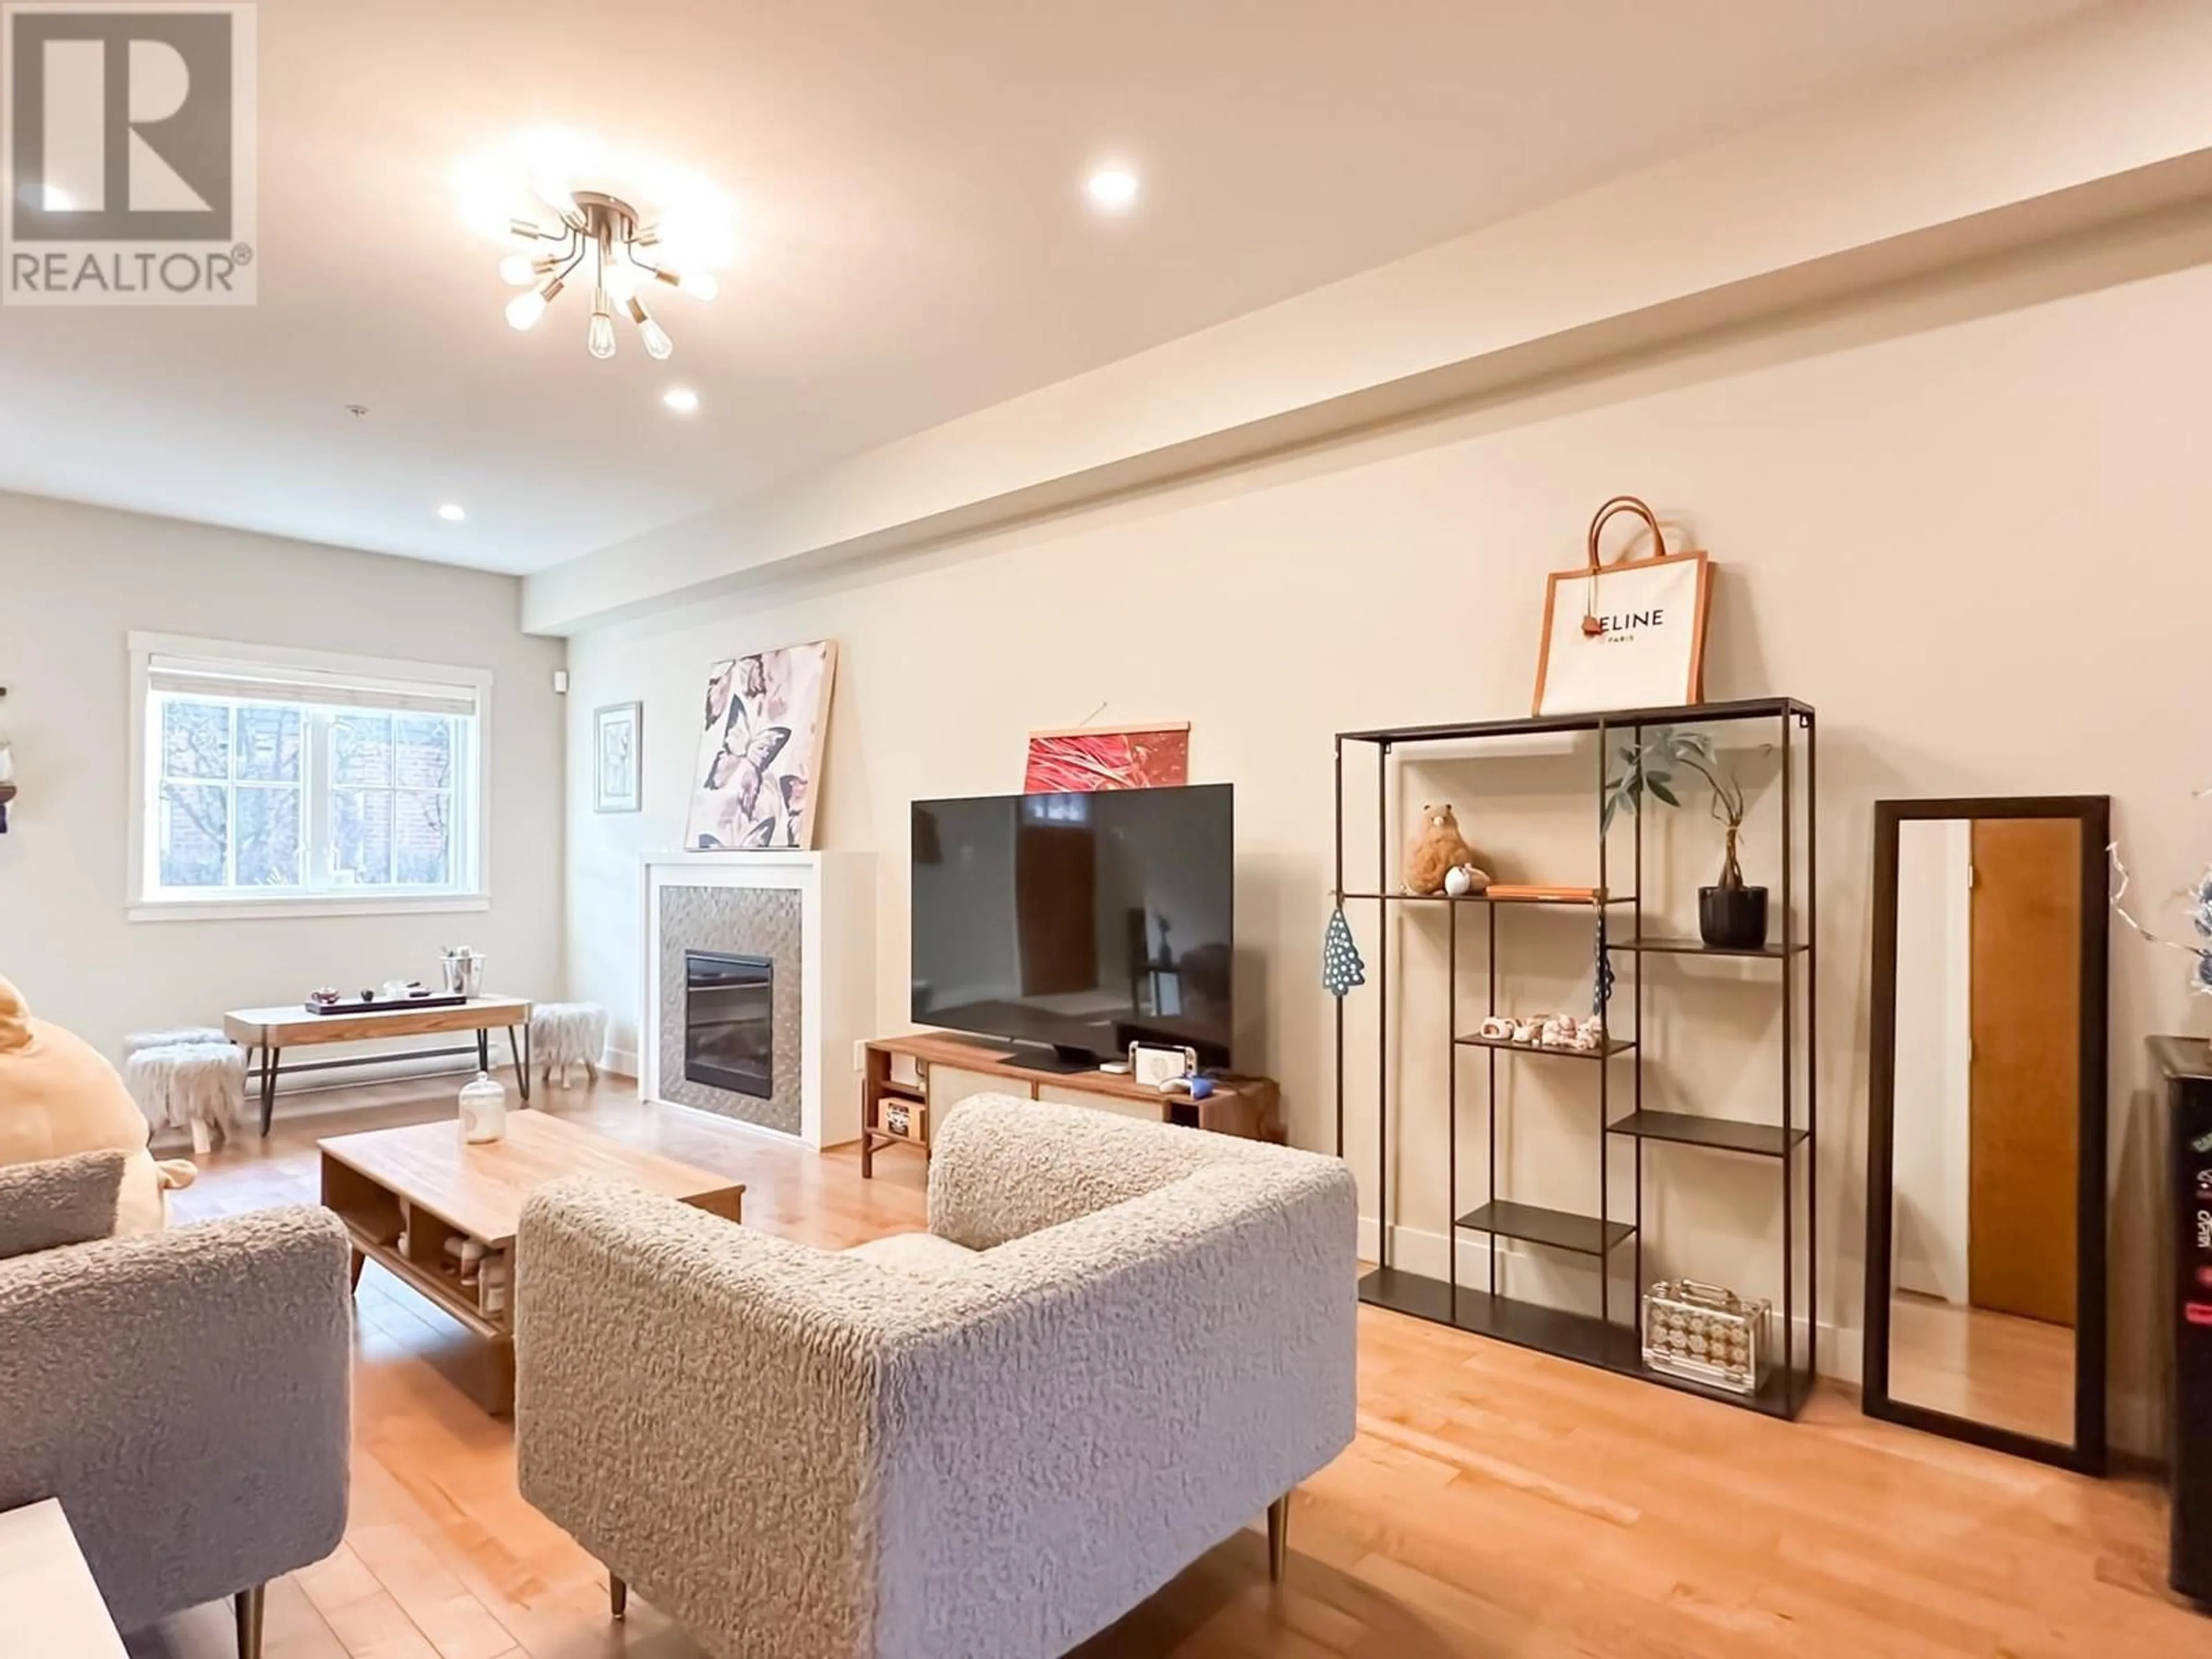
247 1606
617 1597
1279 1538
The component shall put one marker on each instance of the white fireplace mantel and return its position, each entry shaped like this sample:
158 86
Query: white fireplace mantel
837 948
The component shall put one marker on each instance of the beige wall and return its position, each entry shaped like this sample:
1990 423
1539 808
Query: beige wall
74 582
1967 525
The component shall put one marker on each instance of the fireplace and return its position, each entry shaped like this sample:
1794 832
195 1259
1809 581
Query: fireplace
729 1022
760 975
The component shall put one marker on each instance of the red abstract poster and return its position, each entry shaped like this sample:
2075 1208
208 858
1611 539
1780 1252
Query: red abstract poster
1108 758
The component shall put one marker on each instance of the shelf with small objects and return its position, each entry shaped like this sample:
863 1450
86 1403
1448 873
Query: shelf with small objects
1653 992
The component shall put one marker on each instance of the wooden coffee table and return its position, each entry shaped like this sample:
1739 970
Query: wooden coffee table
404 1193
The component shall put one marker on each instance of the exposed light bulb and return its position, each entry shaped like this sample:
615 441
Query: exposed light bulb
518 269
524 310
488 215
657 345
620 277
696 235
700 284
600 339
1112 189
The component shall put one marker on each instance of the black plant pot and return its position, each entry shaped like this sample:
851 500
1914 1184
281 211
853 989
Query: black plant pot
1732 918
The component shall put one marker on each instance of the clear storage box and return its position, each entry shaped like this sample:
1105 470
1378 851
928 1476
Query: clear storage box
1707 1333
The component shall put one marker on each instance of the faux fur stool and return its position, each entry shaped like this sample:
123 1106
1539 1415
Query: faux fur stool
195 1035
199 1085
564 1034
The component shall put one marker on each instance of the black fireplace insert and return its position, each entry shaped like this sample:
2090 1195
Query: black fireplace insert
729 1022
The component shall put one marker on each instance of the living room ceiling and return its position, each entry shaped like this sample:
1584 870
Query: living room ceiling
914 241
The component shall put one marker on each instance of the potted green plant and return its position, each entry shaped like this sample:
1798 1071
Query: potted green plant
1731 916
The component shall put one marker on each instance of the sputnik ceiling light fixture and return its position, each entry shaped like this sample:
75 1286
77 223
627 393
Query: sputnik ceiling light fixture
600 235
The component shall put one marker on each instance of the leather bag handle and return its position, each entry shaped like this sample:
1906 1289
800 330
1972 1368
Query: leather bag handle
1620 504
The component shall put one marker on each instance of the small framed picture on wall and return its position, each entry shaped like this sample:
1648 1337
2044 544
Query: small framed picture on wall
618 732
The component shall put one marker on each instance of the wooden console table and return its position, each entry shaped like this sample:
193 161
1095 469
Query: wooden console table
272 1030
950 1068
403 1193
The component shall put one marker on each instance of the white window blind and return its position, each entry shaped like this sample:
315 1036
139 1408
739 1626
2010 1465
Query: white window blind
305 687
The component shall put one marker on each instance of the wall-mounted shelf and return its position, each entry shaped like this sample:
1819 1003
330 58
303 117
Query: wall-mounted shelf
1604 1339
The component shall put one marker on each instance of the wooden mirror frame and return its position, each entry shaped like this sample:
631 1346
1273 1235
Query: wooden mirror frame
2085 1453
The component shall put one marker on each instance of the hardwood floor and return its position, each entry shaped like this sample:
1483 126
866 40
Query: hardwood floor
1496 1501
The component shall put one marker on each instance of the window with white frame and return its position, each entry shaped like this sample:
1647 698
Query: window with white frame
272 774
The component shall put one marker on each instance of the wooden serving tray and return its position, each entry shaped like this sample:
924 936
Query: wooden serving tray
378 1005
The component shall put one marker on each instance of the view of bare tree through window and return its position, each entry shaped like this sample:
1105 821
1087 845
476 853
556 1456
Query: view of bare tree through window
390 798
230 795
234 806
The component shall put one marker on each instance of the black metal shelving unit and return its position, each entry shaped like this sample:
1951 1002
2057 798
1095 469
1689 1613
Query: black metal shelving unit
1605 1340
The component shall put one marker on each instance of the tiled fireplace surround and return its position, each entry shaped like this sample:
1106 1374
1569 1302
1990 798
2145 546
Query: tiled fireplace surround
759 921
812 915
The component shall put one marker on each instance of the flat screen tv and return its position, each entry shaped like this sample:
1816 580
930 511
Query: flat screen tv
1080 923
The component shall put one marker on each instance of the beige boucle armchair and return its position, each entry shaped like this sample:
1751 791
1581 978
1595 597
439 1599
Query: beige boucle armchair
186 1395
1118 1343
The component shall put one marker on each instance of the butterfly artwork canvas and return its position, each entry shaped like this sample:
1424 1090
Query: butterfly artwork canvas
762 726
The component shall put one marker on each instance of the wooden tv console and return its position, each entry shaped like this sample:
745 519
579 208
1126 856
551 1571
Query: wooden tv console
946 1070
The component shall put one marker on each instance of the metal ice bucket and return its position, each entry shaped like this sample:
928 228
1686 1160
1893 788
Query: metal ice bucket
463 970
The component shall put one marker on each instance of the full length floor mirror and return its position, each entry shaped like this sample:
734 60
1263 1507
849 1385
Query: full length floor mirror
1985 1178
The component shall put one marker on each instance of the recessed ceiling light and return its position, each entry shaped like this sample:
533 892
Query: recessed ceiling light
681 398
452 512
1112 189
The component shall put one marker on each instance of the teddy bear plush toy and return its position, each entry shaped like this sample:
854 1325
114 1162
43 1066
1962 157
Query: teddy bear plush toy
1439 850
59 1097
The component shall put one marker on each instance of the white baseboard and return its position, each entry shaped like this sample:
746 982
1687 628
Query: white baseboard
622 1062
